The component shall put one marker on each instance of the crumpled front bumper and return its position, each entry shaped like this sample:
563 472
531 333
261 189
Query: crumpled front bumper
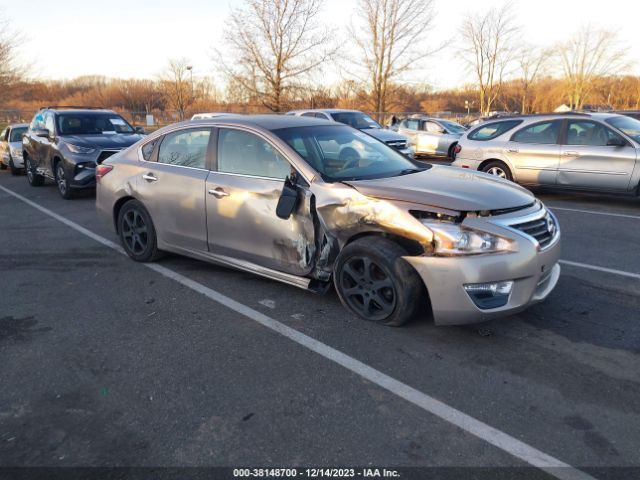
534 274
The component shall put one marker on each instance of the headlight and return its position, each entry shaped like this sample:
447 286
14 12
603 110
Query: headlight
15 152
77 149
452 239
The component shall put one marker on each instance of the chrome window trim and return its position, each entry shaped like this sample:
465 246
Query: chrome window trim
274 179
219 123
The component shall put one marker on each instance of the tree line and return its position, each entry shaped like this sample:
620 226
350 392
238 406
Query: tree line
276 52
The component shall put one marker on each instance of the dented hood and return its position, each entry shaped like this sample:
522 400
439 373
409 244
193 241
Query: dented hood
448 187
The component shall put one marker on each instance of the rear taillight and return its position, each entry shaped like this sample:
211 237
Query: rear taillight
102 170
457 149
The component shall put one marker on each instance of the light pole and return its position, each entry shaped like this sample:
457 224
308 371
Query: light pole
190 68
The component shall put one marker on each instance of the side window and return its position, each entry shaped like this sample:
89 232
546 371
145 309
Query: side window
3 135
541 133
247 154
49 123
322 116
433 127
38 121
492 130
308 114
412 124
147 149
587 132
186 148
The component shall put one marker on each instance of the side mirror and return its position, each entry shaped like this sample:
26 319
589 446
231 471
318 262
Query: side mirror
615 142
288 200
41 132
140 130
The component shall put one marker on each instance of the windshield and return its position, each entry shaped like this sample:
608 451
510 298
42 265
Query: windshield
452 127
340 153
92 123
628 125
357 120
16 134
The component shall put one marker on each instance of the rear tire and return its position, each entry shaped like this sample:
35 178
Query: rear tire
137 232
34 179
374 282
498 169
2 166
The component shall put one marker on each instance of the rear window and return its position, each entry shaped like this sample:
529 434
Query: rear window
492 130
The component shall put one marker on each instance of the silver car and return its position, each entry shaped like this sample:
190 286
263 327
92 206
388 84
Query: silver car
362 122
433 137
11 148
269 195
587 151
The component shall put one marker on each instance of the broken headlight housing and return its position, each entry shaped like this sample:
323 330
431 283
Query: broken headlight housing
454 239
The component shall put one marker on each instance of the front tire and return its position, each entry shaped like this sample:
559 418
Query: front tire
15 171
498 169
374 282
137 232
34 179
62 182
2 166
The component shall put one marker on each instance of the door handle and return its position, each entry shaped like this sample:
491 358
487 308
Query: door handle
571 154
150 177
218 193
513 150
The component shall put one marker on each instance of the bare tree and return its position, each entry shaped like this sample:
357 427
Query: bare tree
532 62
9 66
489 49
591 53
176 85
391 39
274 46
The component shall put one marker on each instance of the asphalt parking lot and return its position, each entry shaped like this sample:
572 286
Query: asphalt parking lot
106 362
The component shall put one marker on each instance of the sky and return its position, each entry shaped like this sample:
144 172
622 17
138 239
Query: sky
135 38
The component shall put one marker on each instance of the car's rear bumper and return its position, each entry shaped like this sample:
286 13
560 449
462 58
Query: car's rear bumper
534 274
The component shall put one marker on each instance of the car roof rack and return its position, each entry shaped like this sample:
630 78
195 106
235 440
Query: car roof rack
69 107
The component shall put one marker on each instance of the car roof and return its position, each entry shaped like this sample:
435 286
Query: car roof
14 125
83 111
326 110
267 122
534 117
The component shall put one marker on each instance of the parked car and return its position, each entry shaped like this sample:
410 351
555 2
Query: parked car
65 144
360 121
268 195
202 116
587 151
431 136
11 148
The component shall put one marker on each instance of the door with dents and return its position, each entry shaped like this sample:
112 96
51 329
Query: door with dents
242 193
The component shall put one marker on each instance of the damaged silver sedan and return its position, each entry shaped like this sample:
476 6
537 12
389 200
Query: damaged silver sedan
313 203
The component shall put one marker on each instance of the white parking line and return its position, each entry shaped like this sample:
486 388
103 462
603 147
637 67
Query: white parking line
495 437
595 212
602 269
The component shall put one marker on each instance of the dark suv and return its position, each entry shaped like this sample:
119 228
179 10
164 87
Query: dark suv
66 143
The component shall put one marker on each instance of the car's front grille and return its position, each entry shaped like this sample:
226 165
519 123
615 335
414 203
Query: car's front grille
543 229
397 144
104 154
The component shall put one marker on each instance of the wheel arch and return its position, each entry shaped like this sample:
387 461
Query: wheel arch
117 207
412 247
501 160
